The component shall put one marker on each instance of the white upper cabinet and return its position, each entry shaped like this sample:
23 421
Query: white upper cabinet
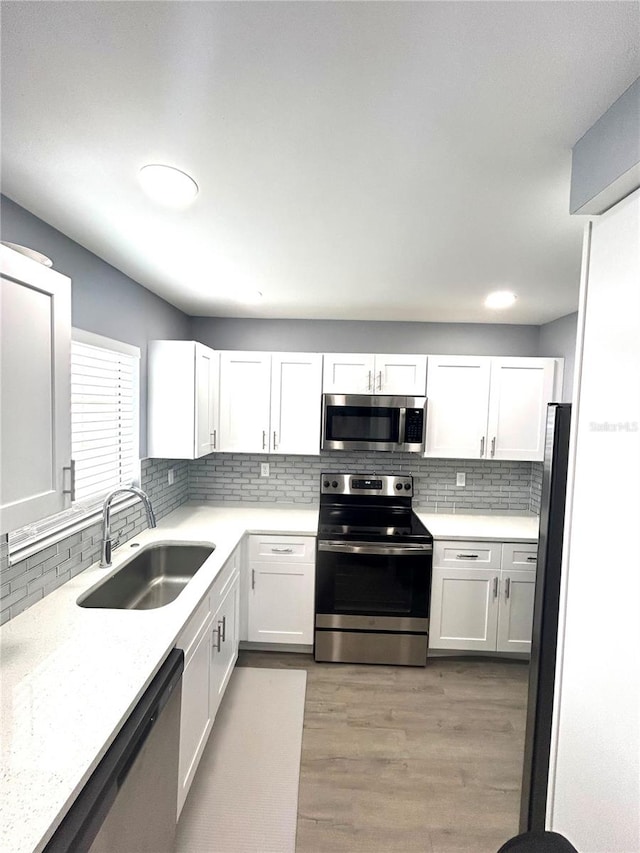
270 402
348 373
35 401
488 408
245 396
296 402
182 400
520 391
457 400
357 373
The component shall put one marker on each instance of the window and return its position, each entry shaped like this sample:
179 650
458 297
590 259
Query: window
105 378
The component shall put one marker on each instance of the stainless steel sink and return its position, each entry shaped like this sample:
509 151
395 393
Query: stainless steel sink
154 577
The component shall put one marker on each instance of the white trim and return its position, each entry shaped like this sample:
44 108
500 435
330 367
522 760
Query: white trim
74 525
91 339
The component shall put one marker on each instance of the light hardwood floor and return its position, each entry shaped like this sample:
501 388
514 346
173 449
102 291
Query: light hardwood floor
408 760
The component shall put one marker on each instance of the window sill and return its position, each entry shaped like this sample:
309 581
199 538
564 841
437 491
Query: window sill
44 540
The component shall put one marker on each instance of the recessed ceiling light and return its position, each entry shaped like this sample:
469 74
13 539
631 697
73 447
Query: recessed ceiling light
167 185
500 299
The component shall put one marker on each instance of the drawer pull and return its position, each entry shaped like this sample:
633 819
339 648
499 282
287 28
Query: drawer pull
507 589
467 556
253 578
495 588
216 642
531 559
282 550
224 628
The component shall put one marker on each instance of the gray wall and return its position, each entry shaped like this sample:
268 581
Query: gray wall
103 300
363 336
558 340
605 165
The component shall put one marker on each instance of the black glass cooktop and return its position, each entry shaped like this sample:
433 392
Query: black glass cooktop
371 523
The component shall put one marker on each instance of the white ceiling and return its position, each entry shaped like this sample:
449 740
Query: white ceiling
356 160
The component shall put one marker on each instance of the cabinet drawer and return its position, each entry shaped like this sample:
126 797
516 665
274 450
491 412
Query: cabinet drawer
224 581
485 555
282 549
519 555
188 639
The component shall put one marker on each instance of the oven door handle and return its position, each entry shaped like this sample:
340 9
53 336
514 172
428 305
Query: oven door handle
401 549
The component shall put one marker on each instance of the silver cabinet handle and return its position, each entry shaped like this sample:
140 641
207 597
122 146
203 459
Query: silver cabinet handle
275 443
507 589
467 556
495 588
380 381
212 436
71 491
253 578
282 550
532 559
216 643
482 446
493 446
223 622
264 439
369 388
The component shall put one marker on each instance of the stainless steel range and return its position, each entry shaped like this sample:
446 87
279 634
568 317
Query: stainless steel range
373 572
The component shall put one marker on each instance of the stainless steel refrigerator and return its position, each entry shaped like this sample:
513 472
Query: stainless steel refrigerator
542 669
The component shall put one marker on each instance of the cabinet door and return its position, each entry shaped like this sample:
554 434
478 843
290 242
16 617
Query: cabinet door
464 609
516 611
35 402
457 406
296 402
348 373
400 375
245 393
281 603
206 367
196 716
520 391
224 648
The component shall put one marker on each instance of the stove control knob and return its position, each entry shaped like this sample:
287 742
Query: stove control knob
407 486
399 486
335 484
326 484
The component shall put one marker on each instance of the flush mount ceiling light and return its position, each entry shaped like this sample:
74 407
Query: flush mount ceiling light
500 299
167 185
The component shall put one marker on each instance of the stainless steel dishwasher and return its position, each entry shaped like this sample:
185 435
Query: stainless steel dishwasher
129 803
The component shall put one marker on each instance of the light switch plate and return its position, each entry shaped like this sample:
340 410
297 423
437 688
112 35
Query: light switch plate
461 479
171 477
264 469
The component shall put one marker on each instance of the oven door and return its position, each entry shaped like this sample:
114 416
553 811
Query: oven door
361 422
371 586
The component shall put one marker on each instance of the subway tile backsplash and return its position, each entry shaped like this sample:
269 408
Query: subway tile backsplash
29 580
235 478
490 486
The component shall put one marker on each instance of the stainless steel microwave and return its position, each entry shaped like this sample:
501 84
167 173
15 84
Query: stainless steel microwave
373 422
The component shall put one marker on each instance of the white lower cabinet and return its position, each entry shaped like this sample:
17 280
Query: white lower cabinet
224 647
281 589
482 596
210 644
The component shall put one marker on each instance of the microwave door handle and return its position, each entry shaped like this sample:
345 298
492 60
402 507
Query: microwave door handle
402 425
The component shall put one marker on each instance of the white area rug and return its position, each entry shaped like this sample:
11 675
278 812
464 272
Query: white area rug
244 798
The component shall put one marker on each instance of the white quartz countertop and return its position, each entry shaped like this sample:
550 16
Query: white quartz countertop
479 528
71 676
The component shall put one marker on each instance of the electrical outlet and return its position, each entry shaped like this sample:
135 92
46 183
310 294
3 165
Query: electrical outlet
171 477
461 479
264 469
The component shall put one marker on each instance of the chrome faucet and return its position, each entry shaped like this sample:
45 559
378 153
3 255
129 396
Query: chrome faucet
105 555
